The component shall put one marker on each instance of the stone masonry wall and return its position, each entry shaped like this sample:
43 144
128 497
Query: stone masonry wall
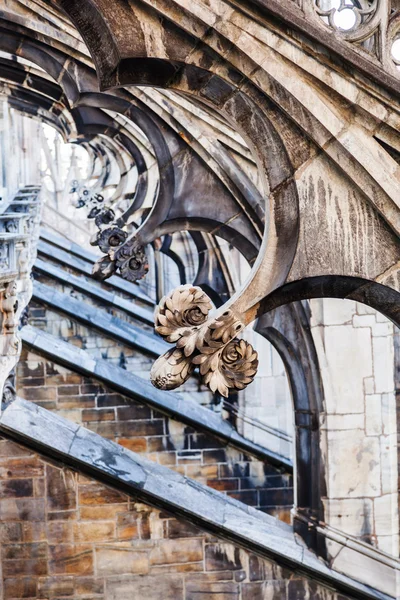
101 346
144 430
355 346
65 536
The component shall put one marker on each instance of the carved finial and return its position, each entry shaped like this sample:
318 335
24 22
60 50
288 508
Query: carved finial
225 362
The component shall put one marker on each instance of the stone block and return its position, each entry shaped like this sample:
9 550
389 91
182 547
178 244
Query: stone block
369 385
268 590
386 514
348 362
197 590
389 466
54 587
222 557
21 468
106 414
383 329
59 532
361 455
373 414
338 312
182 529
71 559
89 585
121 561
10 532
137 444
134 412
170 552
40 394
152 587
16 488
383 352
364 309
389 416
364 321
10 449
25 551
96 493
352 516
94 532
276 496
22 509
21 587
32 567
60 488
366 570
343 422
128 526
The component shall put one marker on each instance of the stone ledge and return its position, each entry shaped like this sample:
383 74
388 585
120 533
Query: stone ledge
60 251
101 320
46 432
94 291
368 564
184 410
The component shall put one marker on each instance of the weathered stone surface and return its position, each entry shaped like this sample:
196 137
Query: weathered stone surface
185 497
309 160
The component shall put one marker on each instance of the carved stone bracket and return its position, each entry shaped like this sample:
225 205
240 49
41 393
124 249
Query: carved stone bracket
225 362
9 390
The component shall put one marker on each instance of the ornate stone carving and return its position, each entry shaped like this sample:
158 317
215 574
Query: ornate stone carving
111 238
131 259
224 361
105 217
87 197
9 389
9 307
4 257
103 268
346 15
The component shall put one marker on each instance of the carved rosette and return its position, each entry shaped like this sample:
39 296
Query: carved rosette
131 259
225 362
111 238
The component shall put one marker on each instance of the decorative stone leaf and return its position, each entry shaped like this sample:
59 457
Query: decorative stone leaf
111 238
171 370
224 361
103 268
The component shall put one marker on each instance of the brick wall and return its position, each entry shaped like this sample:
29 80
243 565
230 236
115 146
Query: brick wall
64 535
144 430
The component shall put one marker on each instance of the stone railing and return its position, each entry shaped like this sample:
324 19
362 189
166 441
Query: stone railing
19 233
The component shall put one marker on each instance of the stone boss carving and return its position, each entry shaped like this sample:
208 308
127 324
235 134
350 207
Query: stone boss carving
225 362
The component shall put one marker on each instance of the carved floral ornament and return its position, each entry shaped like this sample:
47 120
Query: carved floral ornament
225 362
89 198
123 252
